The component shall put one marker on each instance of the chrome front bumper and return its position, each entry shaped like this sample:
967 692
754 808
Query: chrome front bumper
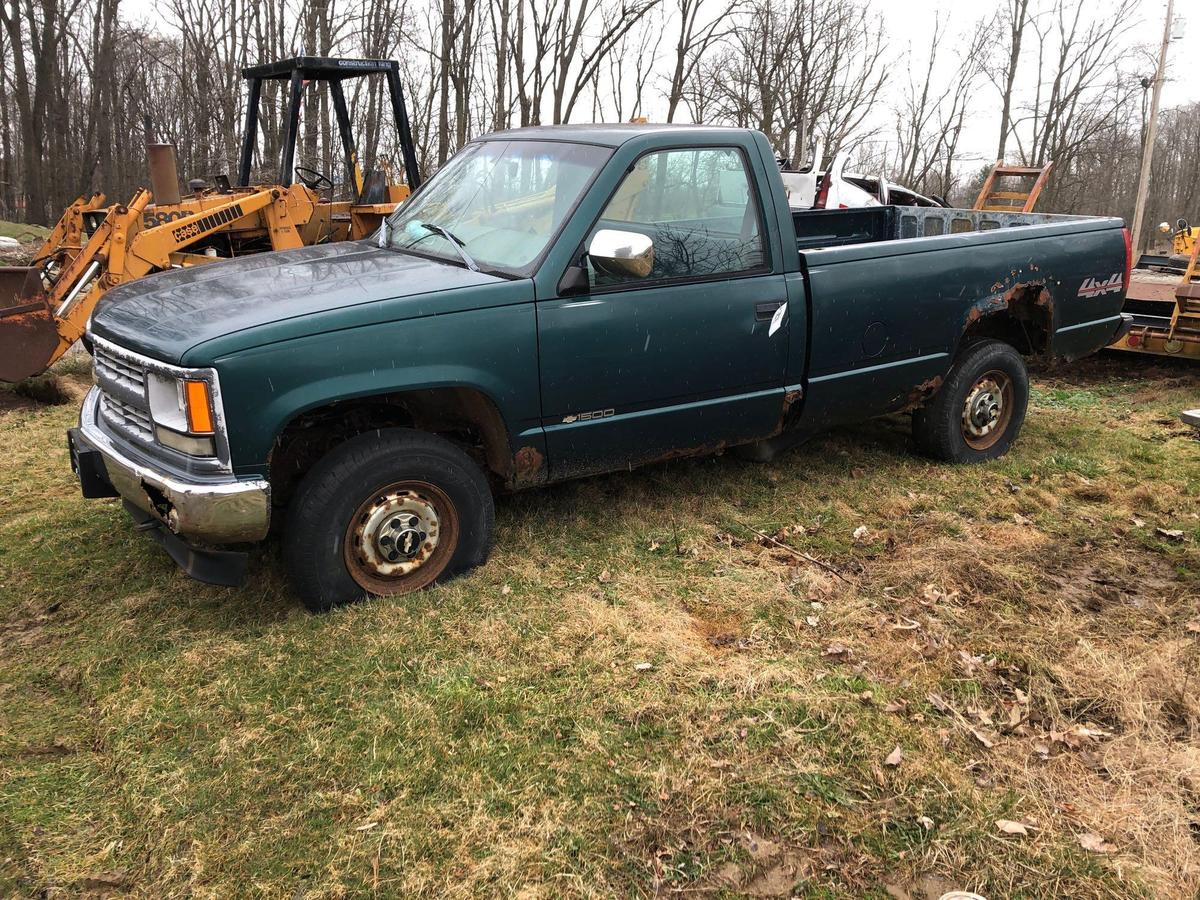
208 510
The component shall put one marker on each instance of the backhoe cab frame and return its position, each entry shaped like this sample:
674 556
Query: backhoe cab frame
316 69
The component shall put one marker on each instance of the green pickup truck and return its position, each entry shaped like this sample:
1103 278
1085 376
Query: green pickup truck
553 303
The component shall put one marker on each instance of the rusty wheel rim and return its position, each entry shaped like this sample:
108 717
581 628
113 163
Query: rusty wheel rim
401 538
987 410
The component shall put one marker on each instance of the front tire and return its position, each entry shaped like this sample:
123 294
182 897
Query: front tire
979 409
388 512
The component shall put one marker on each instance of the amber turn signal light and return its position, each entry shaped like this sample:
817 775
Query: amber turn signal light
199 407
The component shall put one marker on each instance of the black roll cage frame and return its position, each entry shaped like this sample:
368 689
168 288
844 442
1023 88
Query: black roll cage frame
332 70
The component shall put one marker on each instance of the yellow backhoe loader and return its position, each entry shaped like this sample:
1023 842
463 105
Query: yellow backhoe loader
44 307
1184 238
1164 300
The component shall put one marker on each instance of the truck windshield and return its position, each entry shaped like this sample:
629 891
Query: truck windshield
500 202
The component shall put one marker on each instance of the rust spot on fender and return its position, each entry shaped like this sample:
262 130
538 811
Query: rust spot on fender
1041 296
921 393
1029 301
713 449
528 464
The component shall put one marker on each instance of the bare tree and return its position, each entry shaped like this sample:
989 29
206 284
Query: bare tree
800 72
932 113
696 37
630 66
81 86
1015 16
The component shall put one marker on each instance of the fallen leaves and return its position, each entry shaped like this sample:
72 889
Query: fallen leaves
1170 534
986 738
1009 826
935 594
1089 840
895 757
1077 736
861 533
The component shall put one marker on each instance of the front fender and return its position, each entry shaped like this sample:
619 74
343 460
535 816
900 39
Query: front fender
490 350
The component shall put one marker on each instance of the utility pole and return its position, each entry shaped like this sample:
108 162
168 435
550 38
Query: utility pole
1139 210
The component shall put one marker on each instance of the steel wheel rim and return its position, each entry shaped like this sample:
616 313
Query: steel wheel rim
987 409
401 538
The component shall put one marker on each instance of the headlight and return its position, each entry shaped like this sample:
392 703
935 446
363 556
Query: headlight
182 412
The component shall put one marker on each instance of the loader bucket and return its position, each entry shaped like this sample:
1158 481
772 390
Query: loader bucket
28 333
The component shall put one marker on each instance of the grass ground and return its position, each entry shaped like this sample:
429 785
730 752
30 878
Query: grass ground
650 687
22 231
30 236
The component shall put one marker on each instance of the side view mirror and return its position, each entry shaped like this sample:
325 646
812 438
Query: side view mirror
624 253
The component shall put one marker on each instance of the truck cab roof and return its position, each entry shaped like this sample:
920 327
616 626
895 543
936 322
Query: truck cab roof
616 134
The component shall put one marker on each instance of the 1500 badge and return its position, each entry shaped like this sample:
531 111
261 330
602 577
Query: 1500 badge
589 416
1094 287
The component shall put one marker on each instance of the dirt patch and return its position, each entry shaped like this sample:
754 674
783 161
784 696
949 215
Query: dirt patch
49 389
23 632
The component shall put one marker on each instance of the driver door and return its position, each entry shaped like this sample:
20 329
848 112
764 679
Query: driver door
691 356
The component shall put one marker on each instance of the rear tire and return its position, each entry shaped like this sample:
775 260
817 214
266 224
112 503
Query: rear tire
979 409
388 512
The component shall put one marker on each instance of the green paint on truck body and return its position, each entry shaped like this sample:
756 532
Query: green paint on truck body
603 379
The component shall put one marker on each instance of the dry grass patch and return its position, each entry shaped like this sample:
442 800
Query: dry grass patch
692 678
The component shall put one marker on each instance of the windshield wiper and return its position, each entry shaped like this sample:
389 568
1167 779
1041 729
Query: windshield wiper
455 241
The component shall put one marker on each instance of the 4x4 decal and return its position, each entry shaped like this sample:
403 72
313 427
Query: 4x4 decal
1094 287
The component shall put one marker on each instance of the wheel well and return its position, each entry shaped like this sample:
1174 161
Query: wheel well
1023 317
465 416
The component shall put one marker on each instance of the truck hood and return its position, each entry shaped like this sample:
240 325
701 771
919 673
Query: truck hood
273 296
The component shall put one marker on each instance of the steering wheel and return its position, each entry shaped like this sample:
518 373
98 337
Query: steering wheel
312 179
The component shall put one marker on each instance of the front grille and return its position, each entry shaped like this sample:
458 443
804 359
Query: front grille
113 370
123 403
120 370
128 419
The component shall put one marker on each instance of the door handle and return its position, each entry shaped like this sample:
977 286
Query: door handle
764 311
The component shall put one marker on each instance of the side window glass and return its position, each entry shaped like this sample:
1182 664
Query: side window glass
697 207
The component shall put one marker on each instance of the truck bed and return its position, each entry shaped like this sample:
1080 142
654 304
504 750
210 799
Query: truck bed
892 290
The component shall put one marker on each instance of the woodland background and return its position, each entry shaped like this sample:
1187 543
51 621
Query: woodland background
85 83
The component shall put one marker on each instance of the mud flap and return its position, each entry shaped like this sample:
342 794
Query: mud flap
28 332
88 464
224 568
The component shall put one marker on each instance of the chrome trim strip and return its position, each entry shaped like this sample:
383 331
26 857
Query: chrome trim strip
675 407
216 512
1094 323
866 370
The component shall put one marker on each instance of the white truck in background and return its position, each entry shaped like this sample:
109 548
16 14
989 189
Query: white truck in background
835 188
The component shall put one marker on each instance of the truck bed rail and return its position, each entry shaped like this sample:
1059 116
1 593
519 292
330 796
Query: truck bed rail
875 224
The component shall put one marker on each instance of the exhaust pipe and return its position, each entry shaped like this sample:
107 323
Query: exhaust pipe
164 174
